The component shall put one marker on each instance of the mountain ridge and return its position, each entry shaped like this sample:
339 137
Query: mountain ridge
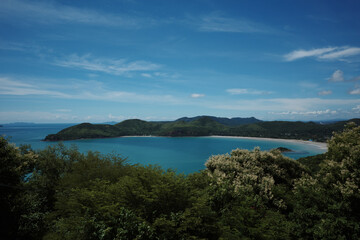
203 126
223 120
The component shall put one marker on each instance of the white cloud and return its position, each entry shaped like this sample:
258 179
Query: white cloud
357 108
147 75
355 91
325 92
239 91
11 46
17 88
307 53
115 118
86 90
110 66
37 116
197 95
50 12
346 52
285 104
54 117
329 53
317 112
236 91
160 74
337 76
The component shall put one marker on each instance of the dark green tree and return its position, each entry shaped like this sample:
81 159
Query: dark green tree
327 205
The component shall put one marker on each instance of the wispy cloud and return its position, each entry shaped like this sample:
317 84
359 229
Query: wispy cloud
147 75
84 90
325 92
307 53
10 46
328 53
110 66
215 22
11 87
357 109
38 116
116 118
317 112
197 95
286 104
341 53
51 12
355 91
337 76
239 91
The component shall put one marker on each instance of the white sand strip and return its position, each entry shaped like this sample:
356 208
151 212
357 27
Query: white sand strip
320 145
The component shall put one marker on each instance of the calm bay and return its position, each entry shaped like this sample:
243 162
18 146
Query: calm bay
184 154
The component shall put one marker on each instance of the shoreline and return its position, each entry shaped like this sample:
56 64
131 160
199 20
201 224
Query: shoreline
319 145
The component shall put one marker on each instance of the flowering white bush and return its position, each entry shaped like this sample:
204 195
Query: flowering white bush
255 172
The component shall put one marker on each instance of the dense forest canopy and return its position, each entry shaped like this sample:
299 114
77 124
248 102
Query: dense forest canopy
60 193
204 126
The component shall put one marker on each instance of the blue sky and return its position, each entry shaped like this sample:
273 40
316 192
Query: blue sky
98 61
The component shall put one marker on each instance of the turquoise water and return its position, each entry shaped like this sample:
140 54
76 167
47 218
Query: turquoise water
184 154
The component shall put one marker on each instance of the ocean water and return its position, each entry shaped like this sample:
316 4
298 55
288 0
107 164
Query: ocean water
183 154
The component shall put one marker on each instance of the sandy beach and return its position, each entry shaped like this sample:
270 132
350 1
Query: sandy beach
319 145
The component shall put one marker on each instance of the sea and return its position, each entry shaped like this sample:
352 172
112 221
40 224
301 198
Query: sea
182 154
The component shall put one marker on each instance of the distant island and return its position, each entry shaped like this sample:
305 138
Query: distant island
284 149
204 126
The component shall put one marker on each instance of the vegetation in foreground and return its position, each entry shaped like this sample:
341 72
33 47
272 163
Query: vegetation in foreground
204 126
59 193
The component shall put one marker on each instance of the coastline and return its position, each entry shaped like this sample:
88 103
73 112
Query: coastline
319 145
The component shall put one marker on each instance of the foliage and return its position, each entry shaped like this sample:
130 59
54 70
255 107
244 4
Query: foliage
15 165
250 189
313 162
60 193
256 173
202 126
328 204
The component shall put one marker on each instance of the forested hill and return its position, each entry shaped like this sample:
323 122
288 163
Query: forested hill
226 121
202 126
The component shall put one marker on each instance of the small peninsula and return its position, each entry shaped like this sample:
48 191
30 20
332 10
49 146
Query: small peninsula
204 126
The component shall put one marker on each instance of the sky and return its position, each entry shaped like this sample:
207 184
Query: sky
111 60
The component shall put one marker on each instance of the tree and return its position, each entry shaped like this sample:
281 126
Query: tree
327 205
15 166
257 173
250 193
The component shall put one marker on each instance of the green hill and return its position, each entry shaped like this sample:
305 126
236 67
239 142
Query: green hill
226 121
202 126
